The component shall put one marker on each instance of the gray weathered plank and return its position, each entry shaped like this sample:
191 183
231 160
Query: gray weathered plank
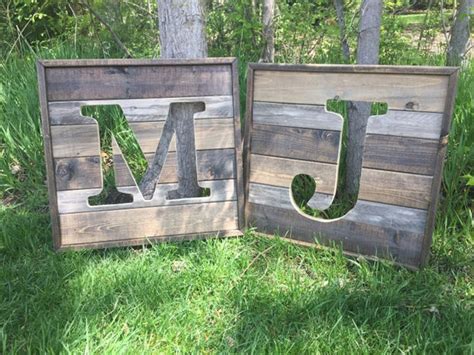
85 172
136 110
293 115
377 229
409 190
73 201
75 141
281 197
399 91
281 172
406 124
135 82
93 227
296 143
402 154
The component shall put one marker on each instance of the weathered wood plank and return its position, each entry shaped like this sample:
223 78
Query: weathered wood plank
395 188
281 196
93 227
78 173
135 82
209 134
402 154
281 172
296 143
399 91
136 110
292 115
75 141
84 173
406 124
368 229
74 201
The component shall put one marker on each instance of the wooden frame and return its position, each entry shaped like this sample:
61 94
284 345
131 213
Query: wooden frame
393 219
70 139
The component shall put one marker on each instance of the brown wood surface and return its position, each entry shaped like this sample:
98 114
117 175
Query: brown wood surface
132 82
93 227
399 91
402 154
369 229
296 143
281 172
138 110
395 188
73 201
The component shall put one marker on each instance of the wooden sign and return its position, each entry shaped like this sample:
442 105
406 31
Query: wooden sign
289 132
184 115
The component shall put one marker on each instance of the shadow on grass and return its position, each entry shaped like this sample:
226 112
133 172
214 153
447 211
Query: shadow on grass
246 294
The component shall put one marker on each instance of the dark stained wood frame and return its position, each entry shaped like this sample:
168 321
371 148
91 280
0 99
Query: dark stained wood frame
451 72
42 66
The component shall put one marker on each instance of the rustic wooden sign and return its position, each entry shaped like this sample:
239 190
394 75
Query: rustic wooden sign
201 142
290 132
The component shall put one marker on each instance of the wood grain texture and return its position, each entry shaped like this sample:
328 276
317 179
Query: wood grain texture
296 143
368 229
281 172
137 110
402 154
281 197
135 82
209 134
293 115
211 165
75 141
406 124
93 227
85 172
399 91
395 188
74 201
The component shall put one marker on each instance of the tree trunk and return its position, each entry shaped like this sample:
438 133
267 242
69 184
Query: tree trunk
182 35
358 112
268 31
339 5
460 33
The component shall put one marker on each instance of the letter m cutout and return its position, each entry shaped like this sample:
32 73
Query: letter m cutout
166 104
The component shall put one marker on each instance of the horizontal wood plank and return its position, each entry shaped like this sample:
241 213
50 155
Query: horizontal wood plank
74 201
75 141
399 91
281 197
93 227
85 173
406 124
296 143
136 110
395 188
402 154
368 229
292 115
137 82
208 133
281 172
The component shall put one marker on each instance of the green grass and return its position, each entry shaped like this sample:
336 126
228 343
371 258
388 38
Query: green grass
246 294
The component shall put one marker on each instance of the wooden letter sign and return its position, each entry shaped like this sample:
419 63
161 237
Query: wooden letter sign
289 132
184 114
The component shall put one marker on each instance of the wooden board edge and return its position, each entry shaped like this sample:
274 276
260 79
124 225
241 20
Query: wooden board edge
438 172
374 69
238 145
247 137
48 152
58 63
151 240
